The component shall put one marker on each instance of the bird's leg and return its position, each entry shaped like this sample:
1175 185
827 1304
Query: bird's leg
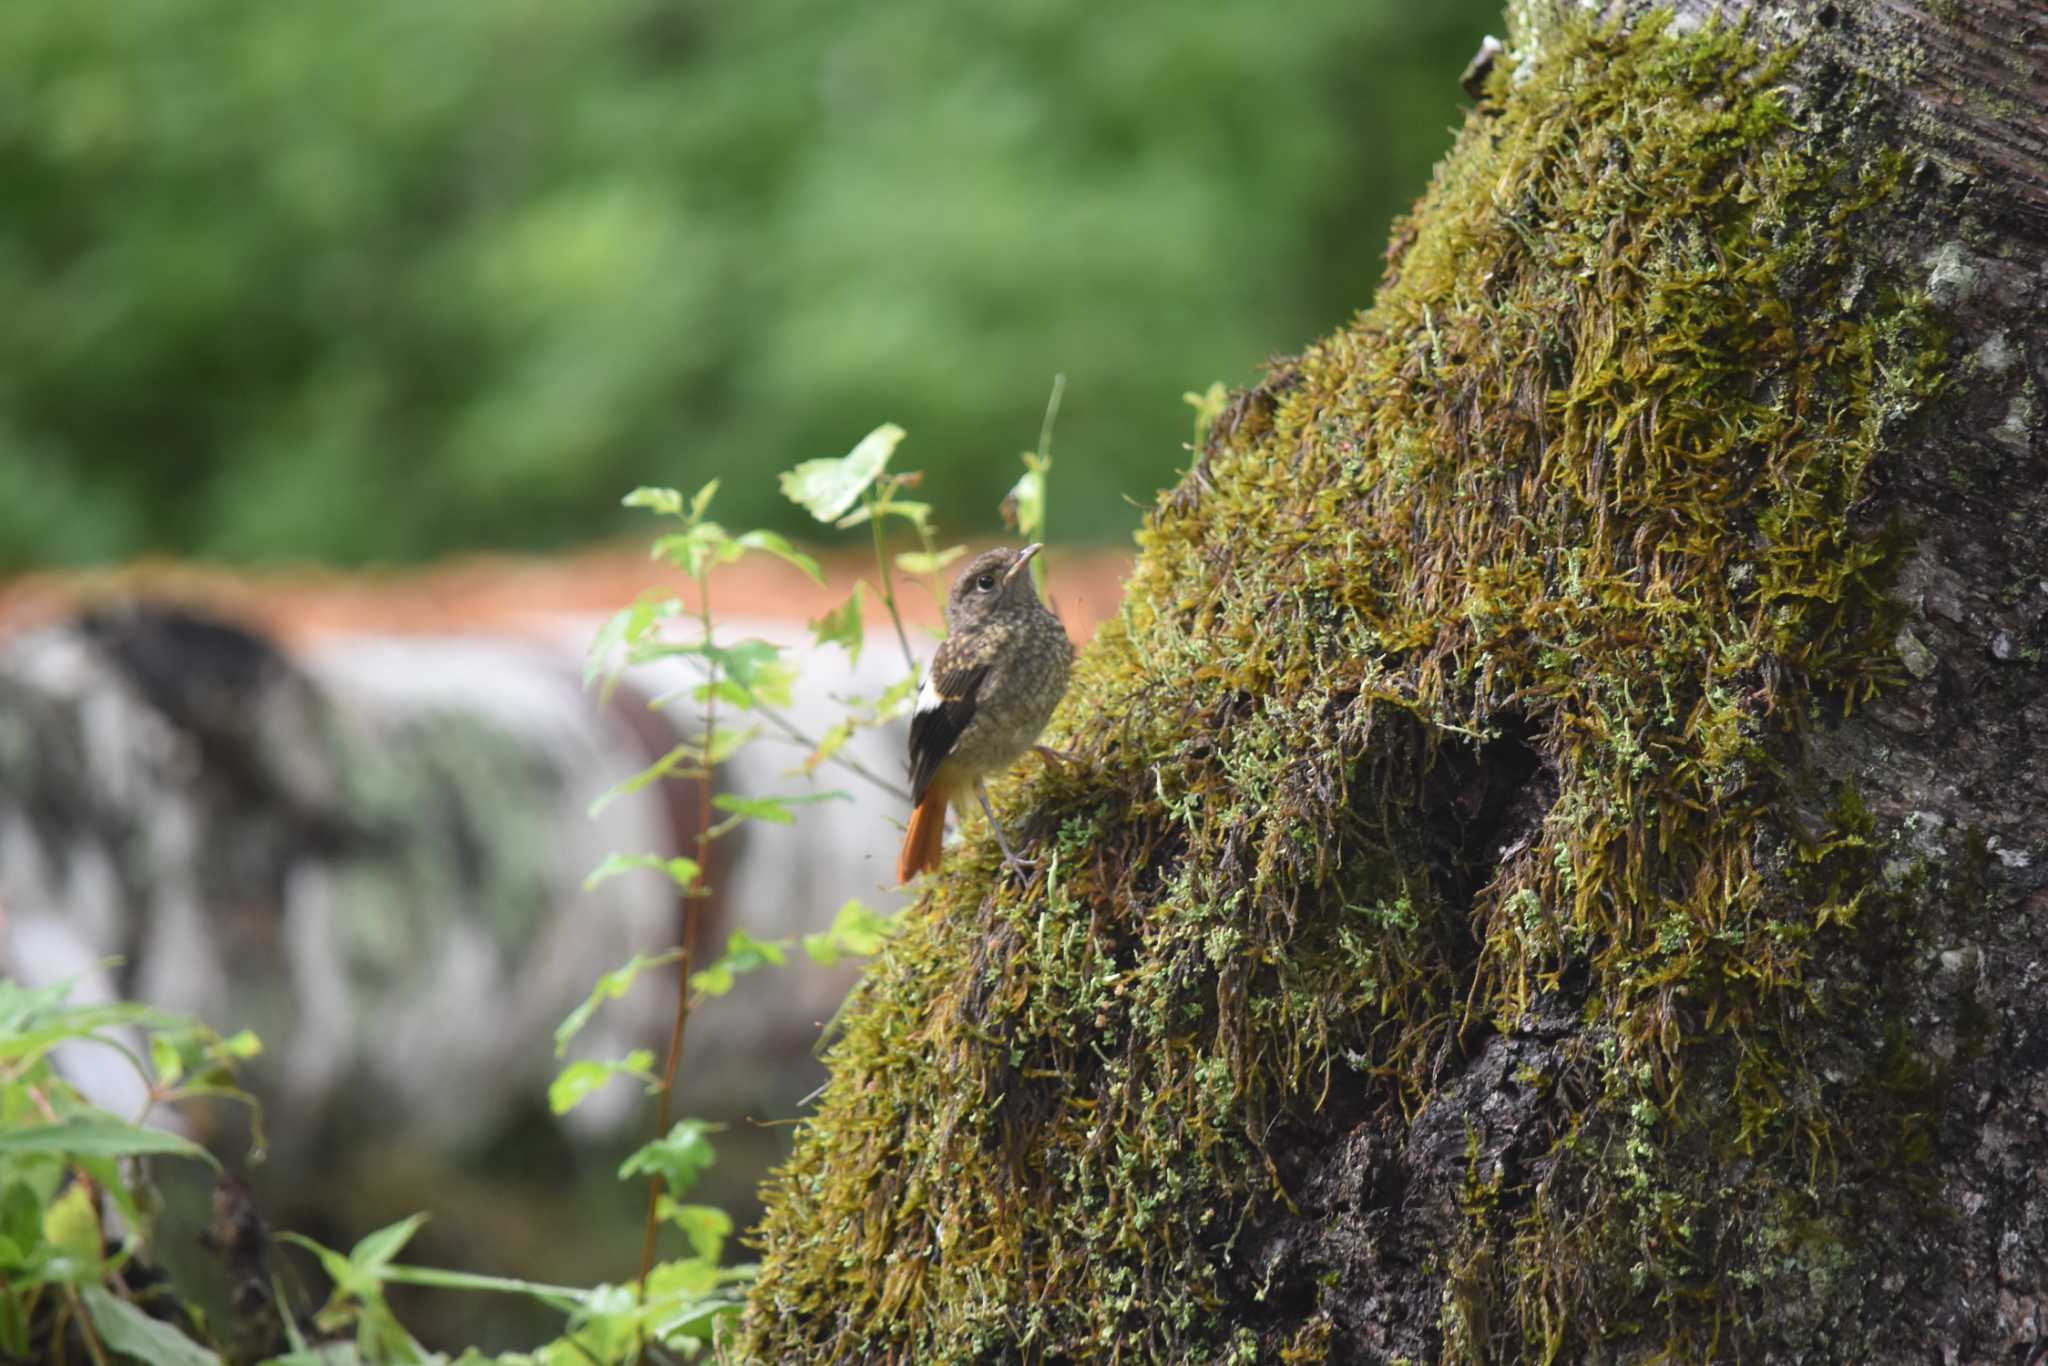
1059 756
1017 865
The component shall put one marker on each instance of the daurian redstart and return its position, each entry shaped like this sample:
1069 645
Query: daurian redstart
991 688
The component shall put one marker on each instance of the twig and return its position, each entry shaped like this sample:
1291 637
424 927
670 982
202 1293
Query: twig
851 765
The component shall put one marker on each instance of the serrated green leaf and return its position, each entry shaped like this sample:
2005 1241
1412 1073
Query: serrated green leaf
610 987
580 1080
677 1157
125 1329
827 488
844 625
779 546
99 1134
918 562
667 502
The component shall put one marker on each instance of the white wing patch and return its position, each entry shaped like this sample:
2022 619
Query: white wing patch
928 698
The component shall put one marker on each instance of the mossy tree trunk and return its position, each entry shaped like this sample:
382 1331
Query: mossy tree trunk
1558 868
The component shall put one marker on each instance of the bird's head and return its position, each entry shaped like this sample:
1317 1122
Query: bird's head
992 581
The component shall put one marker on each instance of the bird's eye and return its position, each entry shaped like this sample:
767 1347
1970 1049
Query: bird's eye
986 583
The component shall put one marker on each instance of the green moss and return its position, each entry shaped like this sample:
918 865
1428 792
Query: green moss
1583 474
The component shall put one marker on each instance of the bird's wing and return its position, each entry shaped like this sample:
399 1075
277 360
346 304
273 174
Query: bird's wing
945 706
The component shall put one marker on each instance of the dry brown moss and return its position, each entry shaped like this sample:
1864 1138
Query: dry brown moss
1576 489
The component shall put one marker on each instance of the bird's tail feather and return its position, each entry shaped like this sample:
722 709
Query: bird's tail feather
926 833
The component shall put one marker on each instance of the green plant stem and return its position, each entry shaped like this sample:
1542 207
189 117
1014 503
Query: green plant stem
889 586
1052 415
665 1102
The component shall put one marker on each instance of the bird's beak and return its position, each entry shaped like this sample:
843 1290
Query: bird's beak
1023 558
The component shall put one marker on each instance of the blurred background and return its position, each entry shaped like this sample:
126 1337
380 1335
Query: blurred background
357 280
369 287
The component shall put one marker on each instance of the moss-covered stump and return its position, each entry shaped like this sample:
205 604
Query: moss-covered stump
1450 946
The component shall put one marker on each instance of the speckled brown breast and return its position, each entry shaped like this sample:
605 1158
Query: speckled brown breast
1030 658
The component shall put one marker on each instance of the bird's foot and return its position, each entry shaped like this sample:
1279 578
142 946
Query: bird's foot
1058 756
1020 868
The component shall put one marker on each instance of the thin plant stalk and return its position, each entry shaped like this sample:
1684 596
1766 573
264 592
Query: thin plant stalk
685 966
797 735
889 586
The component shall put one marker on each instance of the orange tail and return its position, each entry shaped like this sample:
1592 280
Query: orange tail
927 831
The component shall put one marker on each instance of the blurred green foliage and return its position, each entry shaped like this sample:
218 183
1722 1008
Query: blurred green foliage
374 279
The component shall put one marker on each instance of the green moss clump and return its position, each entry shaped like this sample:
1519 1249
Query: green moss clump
1577 486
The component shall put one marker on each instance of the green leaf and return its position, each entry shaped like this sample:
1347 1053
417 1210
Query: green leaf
623 630
827 488
698 550
702 499
844 625
99 1134
376 1249
682 755
566 1298
71 1226
917 514
896 698
580 1080
21 1215
333 1263
747 661
780 547
126 1329
164 1057
50 1024
858 930
706 1226
1024 508
681 871
20 1004
774 810
678 1157
610 987
743 953
829 744
667 502
918 562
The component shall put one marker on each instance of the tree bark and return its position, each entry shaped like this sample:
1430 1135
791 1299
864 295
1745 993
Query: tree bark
1561 865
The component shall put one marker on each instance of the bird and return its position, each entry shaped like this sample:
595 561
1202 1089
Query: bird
992 686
